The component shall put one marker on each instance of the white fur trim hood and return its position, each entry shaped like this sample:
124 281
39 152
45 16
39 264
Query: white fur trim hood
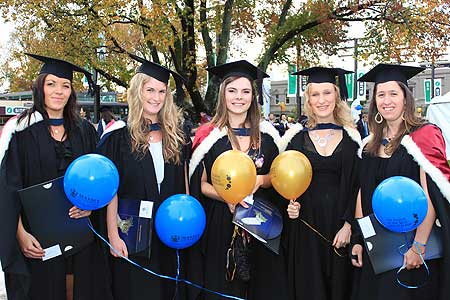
12 126
216 134
436 175
115 126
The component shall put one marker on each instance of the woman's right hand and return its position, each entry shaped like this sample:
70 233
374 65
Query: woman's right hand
119 245
29 245
232 207
293 209
357 252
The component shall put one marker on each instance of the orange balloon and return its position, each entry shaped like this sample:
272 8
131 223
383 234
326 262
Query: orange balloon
291 174
233 176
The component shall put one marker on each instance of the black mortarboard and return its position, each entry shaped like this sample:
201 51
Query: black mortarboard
322 74
240 68
386 72
162 74
58 67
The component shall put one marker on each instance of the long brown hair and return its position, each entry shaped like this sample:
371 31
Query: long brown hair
411 121
169 117
221 120
341 112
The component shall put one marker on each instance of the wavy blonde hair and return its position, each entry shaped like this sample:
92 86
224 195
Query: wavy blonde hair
169 117
221 120
342 113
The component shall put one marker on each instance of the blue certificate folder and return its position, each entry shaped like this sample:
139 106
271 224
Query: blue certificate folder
386 248
135 231
46 208
263 221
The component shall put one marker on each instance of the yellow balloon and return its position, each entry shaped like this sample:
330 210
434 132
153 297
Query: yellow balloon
291 174
233 176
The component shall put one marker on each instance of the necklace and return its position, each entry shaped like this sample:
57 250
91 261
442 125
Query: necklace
322 141
153 127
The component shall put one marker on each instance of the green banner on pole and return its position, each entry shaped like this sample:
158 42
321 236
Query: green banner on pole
349 82
292 81
427 90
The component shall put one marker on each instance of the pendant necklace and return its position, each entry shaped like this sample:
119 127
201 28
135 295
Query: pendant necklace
55 122
322 141
153 127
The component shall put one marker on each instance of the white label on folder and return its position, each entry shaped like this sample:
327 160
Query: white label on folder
146 209
51 252
366 227
249 199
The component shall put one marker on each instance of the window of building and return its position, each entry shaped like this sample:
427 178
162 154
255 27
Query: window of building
277 99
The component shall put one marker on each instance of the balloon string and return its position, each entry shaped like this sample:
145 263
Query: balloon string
177 279
403 267
336 250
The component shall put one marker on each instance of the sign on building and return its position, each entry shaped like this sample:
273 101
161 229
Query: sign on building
427 89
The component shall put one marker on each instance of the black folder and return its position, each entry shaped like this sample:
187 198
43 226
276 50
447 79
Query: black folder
46 208
263 221
134 230
386 248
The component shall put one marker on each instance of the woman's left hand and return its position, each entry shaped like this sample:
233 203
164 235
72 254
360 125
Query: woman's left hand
259 182
76 213
412 260
342 237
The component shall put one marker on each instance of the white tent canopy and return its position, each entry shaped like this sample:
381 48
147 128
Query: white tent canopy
439 113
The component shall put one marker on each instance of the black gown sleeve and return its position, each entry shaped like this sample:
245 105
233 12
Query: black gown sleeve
10 182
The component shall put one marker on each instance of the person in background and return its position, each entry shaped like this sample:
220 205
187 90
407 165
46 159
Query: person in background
237 125
362 126
37 147
402 144
107 118
319 231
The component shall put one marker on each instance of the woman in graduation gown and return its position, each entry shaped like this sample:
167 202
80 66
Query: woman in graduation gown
37 147
320 229
401 144
148 153
236 125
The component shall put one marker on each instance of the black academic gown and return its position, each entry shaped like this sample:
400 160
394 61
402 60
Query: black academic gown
138 181
315 271
268 275
31 159
367 285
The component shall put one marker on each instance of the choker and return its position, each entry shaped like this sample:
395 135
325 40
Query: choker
56 122
154 127
241 131
322 126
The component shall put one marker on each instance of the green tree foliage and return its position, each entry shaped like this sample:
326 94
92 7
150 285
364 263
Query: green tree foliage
189 35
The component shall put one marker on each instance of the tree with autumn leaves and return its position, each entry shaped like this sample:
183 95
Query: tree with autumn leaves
189 35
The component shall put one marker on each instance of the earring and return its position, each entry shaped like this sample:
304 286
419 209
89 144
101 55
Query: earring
378 118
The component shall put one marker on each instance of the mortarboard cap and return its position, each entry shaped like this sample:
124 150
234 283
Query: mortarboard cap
323 74
240 68
58 67
162 74
386 72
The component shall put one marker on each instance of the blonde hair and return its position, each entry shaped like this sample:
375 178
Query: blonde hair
169 117
221 120
342 114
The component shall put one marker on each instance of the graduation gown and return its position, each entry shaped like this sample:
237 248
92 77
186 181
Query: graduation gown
138 182
315 271
268 275
30 158
422 148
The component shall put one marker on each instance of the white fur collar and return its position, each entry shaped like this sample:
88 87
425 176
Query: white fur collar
288 136
354 135
267 128
216 134
12 126
204 147
436 175
364 142
115 126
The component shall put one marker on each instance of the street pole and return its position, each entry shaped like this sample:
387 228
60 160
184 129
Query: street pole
297 96
96 97
432 79
355 86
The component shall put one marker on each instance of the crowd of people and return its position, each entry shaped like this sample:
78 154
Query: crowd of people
322 253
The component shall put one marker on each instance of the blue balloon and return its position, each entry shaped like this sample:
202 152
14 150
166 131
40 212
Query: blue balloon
180 221
91 181
399 204
358 107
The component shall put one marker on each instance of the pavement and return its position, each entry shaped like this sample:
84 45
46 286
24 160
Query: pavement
2 286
